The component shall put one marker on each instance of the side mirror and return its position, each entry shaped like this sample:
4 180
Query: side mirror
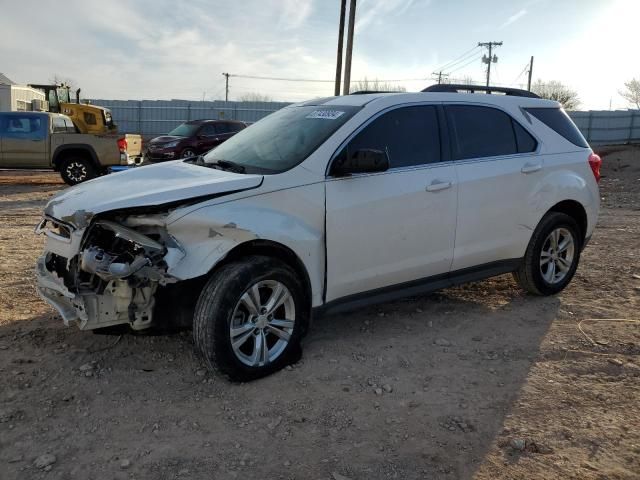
365 160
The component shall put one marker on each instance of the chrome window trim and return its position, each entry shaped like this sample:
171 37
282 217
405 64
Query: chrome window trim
497 107
448 162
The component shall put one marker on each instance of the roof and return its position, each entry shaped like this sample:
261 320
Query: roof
204 120
4 80
42 114
408 97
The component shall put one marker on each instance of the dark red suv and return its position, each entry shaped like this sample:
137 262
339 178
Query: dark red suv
191 138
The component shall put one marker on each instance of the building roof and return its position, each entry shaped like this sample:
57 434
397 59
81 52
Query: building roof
4 80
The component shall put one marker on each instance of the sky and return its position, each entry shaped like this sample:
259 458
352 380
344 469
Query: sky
164 49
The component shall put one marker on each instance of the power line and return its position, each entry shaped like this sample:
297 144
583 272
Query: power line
475 59
312 80
458 59
521 73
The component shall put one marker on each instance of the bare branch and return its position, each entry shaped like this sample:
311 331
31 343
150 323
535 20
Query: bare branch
554 90
632 92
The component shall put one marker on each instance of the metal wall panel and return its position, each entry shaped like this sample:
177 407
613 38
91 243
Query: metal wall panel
157 117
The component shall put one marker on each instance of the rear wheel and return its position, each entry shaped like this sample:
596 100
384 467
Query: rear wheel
188 153
552 256
250 318
74 170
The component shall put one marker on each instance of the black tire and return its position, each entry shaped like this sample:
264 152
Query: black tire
74 170
530 275
189 152
219 300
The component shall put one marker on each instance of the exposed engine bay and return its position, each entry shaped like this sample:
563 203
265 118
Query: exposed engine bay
114 276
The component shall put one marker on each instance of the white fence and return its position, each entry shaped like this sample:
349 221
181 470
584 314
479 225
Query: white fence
608 127
156 117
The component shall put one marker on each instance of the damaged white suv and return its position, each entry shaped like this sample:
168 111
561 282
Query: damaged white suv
329 204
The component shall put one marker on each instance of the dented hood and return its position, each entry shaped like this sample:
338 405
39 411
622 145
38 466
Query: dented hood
145 186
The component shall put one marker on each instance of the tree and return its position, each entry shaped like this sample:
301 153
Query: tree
60 80
632 92
255 97
375 86
554 90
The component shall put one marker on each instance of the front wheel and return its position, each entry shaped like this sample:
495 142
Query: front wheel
250 318
552 256
74 170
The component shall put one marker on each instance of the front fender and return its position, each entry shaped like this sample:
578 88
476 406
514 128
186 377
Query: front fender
293 217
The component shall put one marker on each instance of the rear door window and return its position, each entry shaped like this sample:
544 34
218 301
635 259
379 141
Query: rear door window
59 125
208 130
71 128
409 135
235 127
524 140
558 120
222 127
479 132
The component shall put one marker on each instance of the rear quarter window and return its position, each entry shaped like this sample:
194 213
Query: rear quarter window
558 120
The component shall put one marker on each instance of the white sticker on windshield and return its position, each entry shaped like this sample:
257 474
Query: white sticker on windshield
325 114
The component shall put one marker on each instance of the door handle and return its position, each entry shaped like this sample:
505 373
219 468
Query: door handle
531 167
438 185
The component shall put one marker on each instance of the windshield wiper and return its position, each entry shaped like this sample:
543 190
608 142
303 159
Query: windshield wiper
231 166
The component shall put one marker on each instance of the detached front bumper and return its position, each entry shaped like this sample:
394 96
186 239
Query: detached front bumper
98 286
52 290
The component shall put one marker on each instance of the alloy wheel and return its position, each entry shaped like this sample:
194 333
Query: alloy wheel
557 255
262 323
76 172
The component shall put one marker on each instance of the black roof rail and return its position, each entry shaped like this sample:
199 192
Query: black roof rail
366 92
456 88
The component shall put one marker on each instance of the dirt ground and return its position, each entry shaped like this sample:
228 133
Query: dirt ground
480 381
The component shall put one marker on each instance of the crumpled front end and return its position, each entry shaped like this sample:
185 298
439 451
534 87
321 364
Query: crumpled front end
106 273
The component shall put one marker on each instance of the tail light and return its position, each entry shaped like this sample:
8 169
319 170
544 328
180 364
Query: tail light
122 145
595 162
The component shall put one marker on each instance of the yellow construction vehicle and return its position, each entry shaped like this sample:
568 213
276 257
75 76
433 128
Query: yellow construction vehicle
90 119
87 118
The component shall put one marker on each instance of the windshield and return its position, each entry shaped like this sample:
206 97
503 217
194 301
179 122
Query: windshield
185 130
63 95
283 139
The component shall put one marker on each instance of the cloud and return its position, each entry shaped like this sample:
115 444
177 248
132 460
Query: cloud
514 18
153 49
377 11
294 13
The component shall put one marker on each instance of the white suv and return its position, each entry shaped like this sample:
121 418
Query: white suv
330 204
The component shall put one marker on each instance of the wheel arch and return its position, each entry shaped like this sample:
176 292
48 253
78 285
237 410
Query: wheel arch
576 211
269 248
64 151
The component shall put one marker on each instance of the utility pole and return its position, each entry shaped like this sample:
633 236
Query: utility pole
226 86
347 61
490 59
343 8
530 74
440 75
